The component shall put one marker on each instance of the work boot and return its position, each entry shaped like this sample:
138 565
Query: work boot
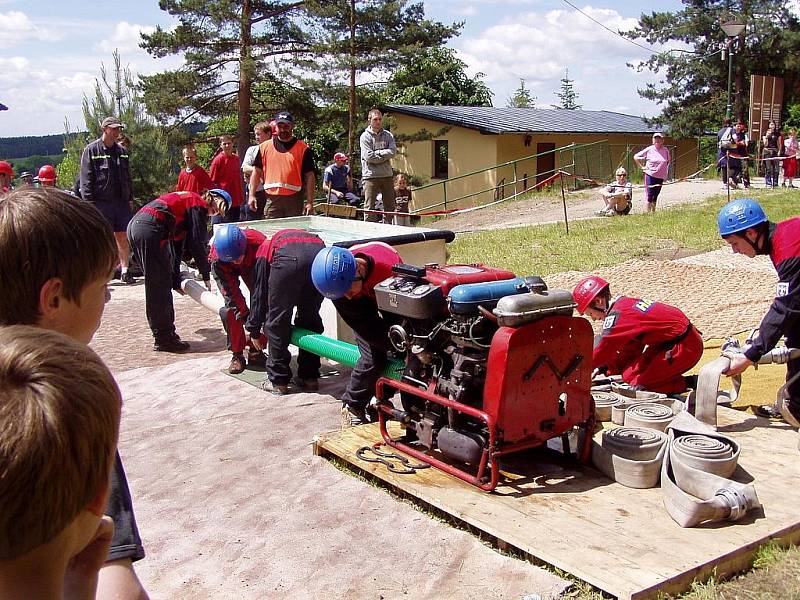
237 364
256 358
171 344
307 385
352 417
276 389
127 278
768 411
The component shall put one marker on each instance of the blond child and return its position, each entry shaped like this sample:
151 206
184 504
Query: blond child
402 200
59 414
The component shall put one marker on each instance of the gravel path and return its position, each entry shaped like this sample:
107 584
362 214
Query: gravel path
580 205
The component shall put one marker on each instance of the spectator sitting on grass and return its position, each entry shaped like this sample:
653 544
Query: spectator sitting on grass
617 195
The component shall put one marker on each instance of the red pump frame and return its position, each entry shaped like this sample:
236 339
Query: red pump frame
490 454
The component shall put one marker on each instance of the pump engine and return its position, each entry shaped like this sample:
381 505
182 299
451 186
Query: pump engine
494 364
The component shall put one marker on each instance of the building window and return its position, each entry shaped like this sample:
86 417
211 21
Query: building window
440 156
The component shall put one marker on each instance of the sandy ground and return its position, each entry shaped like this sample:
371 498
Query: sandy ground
231 502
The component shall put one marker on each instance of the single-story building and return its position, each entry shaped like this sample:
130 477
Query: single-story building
513 149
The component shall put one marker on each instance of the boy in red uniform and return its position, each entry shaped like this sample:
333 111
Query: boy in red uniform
176 218
283 283
649 343
744 225
233 256
193 177
226 172
349 277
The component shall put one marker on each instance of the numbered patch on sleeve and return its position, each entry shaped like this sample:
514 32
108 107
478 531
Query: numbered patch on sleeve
782 289
609 321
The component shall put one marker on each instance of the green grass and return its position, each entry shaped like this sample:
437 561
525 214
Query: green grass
595 243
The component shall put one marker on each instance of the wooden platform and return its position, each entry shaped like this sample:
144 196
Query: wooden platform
618 539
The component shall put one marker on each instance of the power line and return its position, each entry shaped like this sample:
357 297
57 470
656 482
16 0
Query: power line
630 41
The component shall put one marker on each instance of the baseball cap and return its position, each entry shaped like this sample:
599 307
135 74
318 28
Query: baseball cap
284 117
112 122
340 156
658 134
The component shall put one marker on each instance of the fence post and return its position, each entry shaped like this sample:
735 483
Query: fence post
444 190
516 188
564 201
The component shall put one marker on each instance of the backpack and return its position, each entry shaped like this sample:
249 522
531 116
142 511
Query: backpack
726 142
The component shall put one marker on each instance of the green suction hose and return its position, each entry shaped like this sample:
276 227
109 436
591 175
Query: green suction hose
338 351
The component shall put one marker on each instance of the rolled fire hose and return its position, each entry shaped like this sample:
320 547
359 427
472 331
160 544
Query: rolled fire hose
336 350
603 403
649 415
695 472
708 395
631 456
618 410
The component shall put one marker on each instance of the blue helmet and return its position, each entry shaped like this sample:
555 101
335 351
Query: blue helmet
229 242
222 194
333 271
740 214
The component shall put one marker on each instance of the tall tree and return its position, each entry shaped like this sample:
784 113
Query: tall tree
151 155
693 85
568 97
367 37
437 77
225 45
522 97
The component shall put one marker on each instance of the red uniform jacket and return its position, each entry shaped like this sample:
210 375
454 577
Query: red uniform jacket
184 216
630 325
783 317
227 274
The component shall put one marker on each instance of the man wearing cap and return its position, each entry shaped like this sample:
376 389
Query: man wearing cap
286 167
377 150
105 181
6 175
262 132
337 182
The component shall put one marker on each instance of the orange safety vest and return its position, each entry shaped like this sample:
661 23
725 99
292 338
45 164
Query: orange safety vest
282 170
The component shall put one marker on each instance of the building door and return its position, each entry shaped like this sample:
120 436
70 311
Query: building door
545 163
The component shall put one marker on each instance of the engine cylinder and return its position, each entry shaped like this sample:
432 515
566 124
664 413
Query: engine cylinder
462 446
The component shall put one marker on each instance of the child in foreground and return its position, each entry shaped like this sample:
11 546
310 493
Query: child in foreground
59 414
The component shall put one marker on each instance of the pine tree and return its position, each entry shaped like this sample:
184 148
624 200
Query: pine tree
693 84
366 37
226 46
522 97
568 97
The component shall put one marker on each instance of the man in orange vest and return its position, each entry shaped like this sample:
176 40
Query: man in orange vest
286 166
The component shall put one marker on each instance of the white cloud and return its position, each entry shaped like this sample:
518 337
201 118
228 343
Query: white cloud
17 28
467 10
538 46
126 38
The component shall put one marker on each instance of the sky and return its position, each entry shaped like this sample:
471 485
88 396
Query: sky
51 52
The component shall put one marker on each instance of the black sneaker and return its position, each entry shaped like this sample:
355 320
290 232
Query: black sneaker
171 344
127 278
768 411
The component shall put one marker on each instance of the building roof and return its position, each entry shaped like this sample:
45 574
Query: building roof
499 120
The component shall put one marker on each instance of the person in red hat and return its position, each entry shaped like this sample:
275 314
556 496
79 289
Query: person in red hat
6 175
337 183
649 343
47 176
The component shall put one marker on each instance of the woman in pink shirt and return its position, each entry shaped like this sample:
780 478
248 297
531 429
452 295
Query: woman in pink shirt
654 161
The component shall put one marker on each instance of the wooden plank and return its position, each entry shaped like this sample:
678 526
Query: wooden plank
618 539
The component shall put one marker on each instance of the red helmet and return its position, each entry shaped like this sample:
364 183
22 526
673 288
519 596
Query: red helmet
274 127
340 156
47 174
587 290
6 169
